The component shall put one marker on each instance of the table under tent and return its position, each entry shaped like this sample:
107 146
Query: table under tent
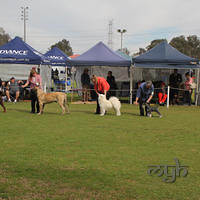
17 58
99 60
58 62
165 58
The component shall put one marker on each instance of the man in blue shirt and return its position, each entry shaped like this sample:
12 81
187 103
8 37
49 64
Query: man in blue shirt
144 95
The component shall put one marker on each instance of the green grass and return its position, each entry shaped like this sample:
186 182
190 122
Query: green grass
85 156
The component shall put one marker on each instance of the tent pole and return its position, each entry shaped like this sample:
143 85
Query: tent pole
131 84
168 95
66 78
197 89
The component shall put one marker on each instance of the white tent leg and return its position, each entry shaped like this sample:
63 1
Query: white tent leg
131 84
197 89
45 87
168 95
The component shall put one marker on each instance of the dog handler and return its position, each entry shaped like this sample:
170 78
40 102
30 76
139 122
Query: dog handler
34 80
101 86
144 95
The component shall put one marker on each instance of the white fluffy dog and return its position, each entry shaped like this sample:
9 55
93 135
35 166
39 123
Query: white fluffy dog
105 104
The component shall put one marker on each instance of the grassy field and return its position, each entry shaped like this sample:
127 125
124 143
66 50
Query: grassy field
85 156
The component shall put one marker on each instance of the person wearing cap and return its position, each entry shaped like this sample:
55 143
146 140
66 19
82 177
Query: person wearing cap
85 81
144 94
34 80
101 86
12 90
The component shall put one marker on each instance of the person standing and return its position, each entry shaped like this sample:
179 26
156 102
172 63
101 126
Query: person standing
85 81
112 83
175 80
144 94
34 80
1 94
101 86
188 92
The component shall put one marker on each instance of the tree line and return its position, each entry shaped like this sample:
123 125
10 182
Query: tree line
189 46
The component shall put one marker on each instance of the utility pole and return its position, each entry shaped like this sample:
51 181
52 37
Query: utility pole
110 34
121 31
24 17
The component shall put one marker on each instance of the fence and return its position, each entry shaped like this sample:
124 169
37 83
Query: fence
125 95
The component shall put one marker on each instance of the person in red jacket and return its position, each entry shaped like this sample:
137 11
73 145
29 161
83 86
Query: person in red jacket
101 86
162 94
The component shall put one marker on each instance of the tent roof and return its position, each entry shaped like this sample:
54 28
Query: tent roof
124 55
100 55
17 51
57 57
165 56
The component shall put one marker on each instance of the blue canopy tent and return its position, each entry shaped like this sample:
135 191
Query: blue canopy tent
57 57
17 51
100 55
17 58
164 56
101 59
124 55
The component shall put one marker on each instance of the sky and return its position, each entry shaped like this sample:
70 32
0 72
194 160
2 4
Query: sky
85 22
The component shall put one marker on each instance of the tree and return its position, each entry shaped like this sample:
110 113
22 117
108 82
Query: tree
194 44
180 44
64 45
4 37
126 51
141 51
150 46
154 43
189 46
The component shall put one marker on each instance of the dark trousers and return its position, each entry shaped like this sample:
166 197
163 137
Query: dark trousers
141 106
2 104
34 101
187 98
111 93
173 96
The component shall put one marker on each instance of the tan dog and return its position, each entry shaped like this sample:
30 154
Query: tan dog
45 98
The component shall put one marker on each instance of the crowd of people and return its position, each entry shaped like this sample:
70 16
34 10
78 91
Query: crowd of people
181 91
13 89
86 86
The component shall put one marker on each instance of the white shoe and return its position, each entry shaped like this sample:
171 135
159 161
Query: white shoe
9 100
15 101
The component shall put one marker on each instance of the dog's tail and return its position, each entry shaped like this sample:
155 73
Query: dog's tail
115 101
